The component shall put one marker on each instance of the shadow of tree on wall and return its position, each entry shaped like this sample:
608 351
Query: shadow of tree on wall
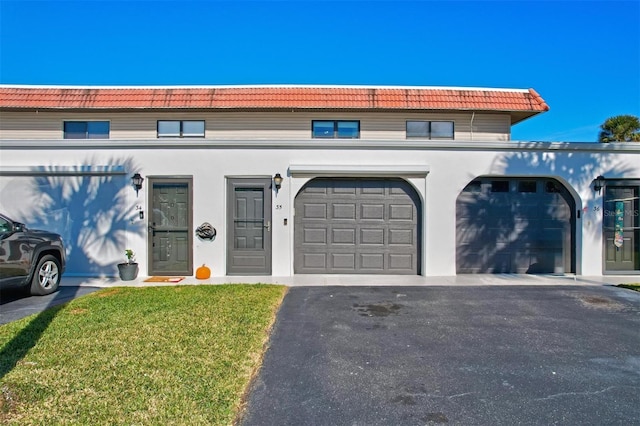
90 206
527 232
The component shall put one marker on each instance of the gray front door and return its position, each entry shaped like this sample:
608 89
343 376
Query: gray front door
249 226
170 226
621 242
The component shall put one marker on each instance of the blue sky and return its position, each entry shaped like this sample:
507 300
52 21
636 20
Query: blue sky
583 57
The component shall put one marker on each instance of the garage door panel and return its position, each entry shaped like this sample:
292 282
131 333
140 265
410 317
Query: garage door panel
315 236
340 188
371 189
522 225
344 211
520 231
372 211
372 227
369 261
397 191
316 189
404 237
498 235
401 262
343 261
401 212
315 211
372 236
343 236
466 233
315 261
501 263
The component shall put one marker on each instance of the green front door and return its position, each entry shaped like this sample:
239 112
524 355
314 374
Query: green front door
621 226
170 226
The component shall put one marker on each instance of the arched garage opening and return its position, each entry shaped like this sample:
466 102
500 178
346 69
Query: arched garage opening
515 225
357 226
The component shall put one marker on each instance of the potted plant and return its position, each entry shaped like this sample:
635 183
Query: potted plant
128 271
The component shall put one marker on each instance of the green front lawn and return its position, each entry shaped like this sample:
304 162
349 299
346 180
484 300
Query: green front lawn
146 356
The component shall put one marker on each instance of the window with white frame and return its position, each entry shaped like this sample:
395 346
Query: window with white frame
86 129
430 130
335 129
180 128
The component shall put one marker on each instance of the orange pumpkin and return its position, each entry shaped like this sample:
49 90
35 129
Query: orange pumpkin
203 272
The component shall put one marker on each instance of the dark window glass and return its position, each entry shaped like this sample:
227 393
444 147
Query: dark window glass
75 129
323 129
98 129
417 129
475 186
442 130
86 129
551 186
348 129
335 129
168 129
527 186
430 129
180 129
193 129
499 186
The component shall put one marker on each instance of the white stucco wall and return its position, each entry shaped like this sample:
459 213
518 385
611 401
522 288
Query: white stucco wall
438 171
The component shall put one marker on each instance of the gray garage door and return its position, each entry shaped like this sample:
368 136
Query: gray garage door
515 226
357 226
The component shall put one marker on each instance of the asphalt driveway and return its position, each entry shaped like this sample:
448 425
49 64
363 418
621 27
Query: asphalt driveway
498 355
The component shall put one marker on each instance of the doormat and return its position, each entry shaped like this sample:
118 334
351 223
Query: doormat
164 279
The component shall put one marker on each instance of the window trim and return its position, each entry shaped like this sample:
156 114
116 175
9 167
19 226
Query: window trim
87 134
335 134
429 135
181 133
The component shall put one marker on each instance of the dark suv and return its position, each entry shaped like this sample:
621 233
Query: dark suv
30 258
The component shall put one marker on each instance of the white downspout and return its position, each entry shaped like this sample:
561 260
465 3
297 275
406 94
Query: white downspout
473 114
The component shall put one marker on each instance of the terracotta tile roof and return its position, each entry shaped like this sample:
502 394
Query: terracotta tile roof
272 97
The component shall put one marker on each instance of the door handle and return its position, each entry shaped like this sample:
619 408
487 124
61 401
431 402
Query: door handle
268 226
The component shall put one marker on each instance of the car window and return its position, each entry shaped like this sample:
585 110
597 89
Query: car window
5 226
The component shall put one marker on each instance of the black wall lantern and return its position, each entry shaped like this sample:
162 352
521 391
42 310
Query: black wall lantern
277 180
598 183
136 180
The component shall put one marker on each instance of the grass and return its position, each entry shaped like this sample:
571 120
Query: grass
635 287
180 355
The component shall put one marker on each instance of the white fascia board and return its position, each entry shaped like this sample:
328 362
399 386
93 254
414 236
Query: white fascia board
40 170
337 144
418 170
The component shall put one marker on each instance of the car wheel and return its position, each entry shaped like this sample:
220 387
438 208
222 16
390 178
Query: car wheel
46 277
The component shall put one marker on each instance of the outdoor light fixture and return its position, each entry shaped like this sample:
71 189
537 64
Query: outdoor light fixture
136 180
598 183
277 180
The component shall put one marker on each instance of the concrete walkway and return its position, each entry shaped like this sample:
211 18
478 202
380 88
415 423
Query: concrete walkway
370 280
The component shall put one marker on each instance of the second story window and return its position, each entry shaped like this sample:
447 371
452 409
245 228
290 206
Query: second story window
86 130
181 129
335 129
429 129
